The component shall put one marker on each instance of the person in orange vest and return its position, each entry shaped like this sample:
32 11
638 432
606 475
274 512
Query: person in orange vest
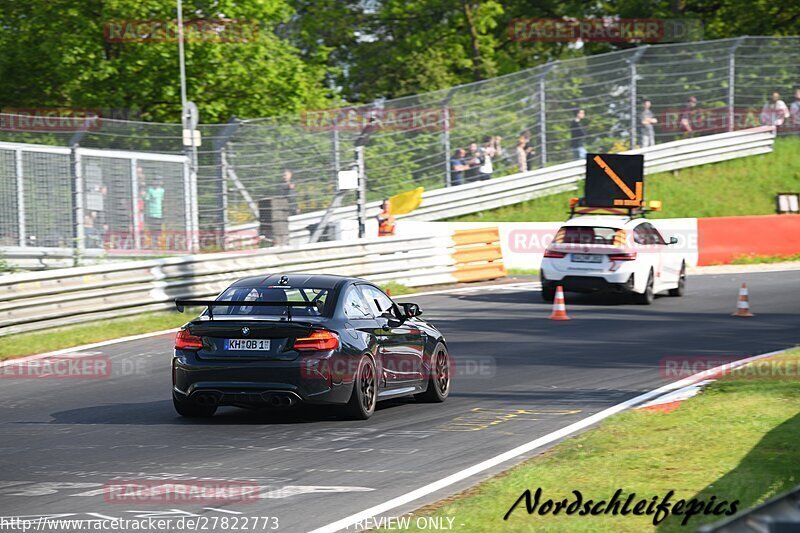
386 225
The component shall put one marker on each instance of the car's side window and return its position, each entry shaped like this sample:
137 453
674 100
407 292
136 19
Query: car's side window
354 305
652 234
640 235
378 302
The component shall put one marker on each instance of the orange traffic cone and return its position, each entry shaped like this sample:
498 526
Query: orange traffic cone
743 305
559 308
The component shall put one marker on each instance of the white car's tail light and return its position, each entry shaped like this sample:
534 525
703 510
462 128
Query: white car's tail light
622 257
552 254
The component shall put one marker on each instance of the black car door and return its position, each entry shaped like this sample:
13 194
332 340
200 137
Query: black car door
401 341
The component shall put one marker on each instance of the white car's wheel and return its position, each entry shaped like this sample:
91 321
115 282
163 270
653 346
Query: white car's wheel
681 288
647 297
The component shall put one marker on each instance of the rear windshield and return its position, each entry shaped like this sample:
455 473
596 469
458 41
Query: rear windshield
316 299
587 235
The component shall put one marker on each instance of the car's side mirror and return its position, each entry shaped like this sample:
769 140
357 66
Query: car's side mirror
411 310
391 320
673 240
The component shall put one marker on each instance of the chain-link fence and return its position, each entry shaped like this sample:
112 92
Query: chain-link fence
410 141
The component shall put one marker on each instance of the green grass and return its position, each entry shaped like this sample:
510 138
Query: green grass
22 344
737 440
745 186
523 272
753 259
397 289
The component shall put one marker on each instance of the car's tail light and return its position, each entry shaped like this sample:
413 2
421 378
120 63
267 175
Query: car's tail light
186 341
318 341
622 257
552 254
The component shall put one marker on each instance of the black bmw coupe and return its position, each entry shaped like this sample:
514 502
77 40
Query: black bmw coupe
279 340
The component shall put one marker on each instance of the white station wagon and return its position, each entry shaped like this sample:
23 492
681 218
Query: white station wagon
615 254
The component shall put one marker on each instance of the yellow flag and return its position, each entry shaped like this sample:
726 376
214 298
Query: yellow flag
406 202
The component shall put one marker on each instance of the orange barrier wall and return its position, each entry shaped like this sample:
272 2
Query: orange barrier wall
719 240
478 255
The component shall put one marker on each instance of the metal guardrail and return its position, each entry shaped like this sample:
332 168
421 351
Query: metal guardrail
777 515
474 197
38 300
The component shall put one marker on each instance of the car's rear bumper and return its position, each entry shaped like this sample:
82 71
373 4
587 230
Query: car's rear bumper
592 283
254 383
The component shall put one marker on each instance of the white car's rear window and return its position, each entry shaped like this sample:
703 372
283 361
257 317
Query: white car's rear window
587 235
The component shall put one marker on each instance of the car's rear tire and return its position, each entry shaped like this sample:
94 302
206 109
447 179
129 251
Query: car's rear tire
190 409
647 297
548 294
365 392
439 379
680 290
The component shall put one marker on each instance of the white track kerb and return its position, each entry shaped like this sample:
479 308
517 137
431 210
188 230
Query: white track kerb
531 446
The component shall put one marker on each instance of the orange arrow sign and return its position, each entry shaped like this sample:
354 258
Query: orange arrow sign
634 198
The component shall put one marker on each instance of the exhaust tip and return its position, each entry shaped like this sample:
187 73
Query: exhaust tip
206 399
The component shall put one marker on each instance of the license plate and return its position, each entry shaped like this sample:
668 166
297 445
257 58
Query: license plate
247 344
587 258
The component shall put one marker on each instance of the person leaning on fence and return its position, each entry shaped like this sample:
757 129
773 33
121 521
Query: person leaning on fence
686 117
386 224
578 135
648 120
775 112
458 166
474 161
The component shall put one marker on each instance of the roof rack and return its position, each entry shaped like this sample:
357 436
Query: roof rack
577 206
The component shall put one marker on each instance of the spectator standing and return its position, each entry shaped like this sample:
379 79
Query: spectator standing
386 224
794 111
487 152
287 190
648 120
154 209
775 112
458 166
522 154
686 117
474 162
530 150
578 135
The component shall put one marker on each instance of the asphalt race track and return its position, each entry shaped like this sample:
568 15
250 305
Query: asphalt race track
518 376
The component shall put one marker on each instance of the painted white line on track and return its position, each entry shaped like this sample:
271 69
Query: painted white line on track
83 347
527 285
530 446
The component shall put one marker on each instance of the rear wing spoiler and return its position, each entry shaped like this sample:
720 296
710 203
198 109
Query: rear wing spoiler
180 305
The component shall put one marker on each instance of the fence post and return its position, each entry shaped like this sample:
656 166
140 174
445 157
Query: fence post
542 111
221 166
732 81
77 207
633 61
335 149
136 213
361 198
20 198
448 177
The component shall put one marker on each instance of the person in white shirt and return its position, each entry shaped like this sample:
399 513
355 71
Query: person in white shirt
775 112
